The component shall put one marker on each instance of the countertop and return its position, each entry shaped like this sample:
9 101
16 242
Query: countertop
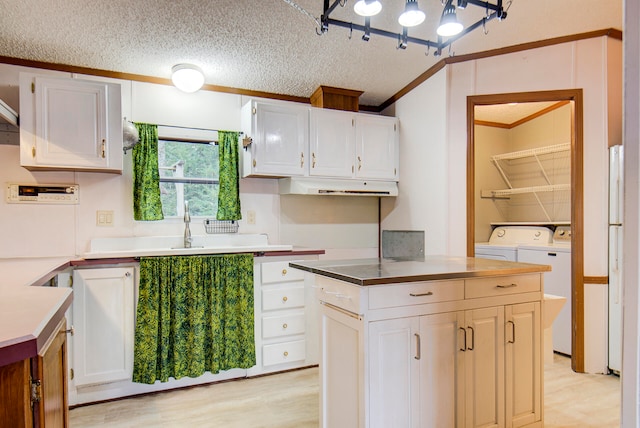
28 314
30 310
388 271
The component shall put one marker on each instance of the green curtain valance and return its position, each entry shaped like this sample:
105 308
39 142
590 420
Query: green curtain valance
146 177
194 314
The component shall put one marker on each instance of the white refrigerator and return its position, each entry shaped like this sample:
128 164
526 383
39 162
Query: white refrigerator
616 188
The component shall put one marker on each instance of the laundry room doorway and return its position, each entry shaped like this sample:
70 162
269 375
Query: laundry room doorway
547 202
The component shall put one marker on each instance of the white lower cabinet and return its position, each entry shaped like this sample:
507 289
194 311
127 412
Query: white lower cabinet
462 363
103 320
285 316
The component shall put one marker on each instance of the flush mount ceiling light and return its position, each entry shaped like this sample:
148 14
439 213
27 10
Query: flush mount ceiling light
412 15
187 77
449 24
367 7
449 28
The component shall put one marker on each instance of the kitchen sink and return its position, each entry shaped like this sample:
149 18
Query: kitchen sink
140 246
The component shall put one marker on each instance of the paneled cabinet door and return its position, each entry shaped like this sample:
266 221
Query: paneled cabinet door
332 143
442 351
280 139
103 315
70 124
484 367
523 364
394 356
377 148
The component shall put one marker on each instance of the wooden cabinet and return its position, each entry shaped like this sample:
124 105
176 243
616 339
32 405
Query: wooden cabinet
432 354
353 145
103 317
280 139
33 392
70 124
285 317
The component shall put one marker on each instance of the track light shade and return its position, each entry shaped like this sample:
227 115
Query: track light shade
412 15
449 24
367 7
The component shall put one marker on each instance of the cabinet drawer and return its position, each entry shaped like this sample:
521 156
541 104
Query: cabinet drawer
280 272
341 294
283 298
281 353
283 325
500 285
418 293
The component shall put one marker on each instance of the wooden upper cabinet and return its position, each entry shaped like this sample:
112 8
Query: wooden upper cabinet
70 124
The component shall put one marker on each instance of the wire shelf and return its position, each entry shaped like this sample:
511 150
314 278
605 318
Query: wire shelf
220 226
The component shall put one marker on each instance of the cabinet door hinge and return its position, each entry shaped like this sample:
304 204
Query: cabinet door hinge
33 152
254 110
71 281
33 87
71 374
394 127
36 391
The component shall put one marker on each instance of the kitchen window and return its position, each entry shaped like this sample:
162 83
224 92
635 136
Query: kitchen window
188 172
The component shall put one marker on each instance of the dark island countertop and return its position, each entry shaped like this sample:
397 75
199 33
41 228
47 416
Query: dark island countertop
432 268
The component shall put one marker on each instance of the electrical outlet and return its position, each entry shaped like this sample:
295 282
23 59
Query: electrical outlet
251 217
104 218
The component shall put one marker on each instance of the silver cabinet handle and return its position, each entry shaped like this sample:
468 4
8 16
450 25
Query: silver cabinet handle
428 293
464 334
417 357
513 332
507 285
473 339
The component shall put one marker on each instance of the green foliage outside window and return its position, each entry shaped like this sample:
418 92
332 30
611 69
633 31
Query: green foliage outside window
188 171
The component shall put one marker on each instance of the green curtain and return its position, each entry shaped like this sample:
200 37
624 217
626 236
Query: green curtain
194 314
229 192
146 177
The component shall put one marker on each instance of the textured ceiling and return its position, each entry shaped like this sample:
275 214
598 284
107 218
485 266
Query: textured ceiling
268 45
509 114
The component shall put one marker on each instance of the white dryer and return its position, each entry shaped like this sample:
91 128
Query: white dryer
504 241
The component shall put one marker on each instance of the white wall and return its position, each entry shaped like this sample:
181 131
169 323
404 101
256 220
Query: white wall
489 141
347 225
631 260
423 186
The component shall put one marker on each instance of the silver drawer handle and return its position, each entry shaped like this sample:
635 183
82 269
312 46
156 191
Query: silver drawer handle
506 285
428 293
337 294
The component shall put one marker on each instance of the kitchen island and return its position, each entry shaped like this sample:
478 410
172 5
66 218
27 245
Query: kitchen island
441 342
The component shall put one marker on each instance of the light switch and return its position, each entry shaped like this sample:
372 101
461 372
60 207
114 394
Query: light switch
104 218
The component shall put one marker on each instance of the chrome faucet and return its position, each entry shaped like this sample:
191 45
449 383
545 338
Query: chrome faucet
187 231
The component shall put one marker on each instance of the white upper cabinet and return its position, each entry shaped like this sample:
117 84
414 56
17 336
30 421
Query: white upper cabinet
353 145
280 139
292 140
70 124
332 143
377 154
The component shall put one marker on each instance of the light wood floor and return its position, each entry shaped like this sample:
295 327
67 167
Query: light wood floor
291 400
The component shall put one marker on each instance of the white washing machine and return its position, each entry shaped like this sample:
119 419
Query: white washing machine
557 282
504 241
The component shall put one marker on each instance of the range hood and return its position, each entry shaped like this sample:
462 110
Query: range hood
333 187
8 115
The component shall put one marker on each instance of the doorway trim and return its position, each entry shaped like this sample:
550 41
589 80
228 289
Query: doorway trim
577 196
